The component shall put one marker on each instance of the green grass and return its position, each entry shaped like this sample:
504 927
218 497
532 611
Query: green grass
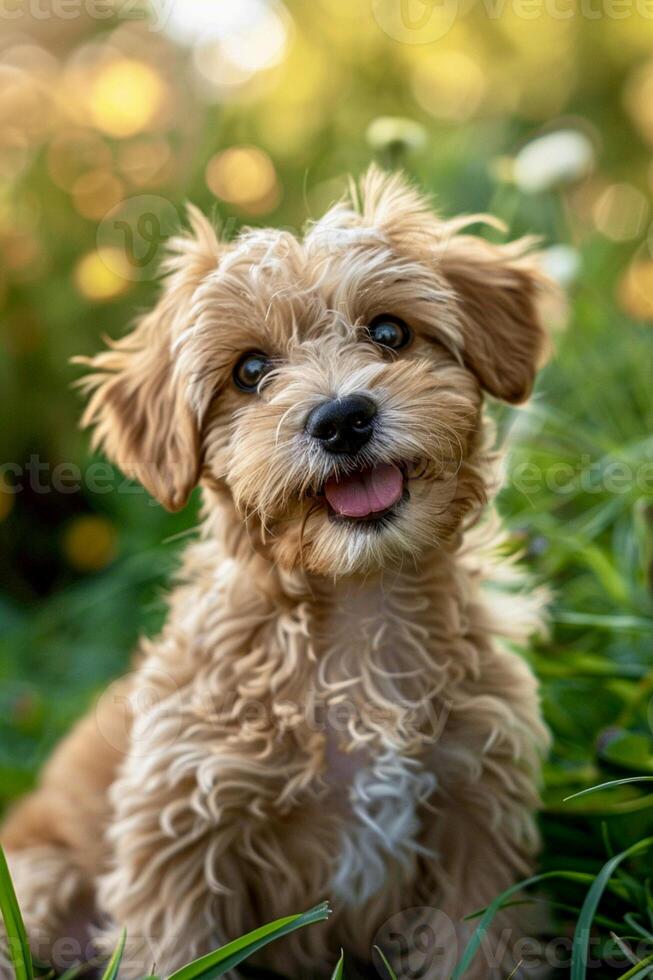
11 916
224 959
216 964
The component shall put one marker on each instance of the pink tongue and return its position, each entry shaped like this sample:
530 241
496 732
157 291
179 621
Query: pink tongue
365 492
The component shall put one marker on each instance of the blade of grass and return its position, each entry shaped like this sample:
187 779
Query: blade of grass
599 621
643 969
580 877
71 972
623 947
580 947
488 914
605 808
649 900
513 973
629 919
609 785
224 959
384 960
113 965
79 969
337 973
19 950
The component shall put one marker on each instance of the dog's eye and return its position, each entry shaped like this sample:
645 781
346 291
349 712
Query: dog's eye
389 331
249 371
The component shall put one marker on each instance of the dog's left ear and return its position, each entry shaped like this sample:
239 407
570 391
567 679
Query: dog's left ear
499 291
138 405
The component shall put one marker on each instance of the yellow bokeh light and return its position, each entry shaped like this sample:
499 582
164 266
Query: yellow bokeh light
89 543
126 97
102 274
620 212
638 99
96 193
244 176
635 289
450 85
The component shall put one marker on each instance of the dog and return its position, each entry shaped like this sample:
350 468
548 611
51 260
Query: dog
334 707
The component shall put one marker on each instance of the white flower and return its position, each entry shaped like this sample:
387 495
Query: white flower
562 263
387 130
556 158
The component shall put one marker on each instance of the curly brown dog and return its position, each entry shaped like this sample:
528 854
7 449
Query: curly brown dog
333 708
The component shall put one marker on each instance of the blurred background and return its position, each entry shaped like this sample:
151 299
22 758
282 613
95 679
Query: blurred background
114 113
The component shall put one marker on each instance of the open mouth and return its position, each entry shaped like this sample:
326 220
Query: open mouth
366 496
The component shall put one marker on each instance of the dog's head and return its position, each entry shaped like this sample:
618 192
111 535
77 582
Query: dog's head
331 386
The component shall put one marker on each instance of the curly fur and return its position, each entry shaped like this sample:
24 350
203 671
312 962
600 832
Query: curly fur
328 711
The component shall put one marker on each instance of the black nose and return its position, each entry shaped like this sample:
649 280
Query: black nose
343 425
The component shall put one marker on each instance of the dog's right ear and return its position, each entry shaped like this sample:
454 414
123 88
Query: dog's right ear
138 404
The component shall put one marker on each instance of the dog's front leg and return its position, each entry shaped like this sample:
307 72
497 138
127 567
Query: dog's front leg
483 848
201 832
156 886
484 837
160 831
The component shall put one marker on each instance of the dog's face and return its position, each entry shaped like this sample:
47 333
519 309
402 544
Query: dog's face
330 386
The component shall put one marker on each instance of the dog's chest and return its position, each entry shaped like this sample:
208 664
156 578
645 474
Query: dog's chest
376 723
